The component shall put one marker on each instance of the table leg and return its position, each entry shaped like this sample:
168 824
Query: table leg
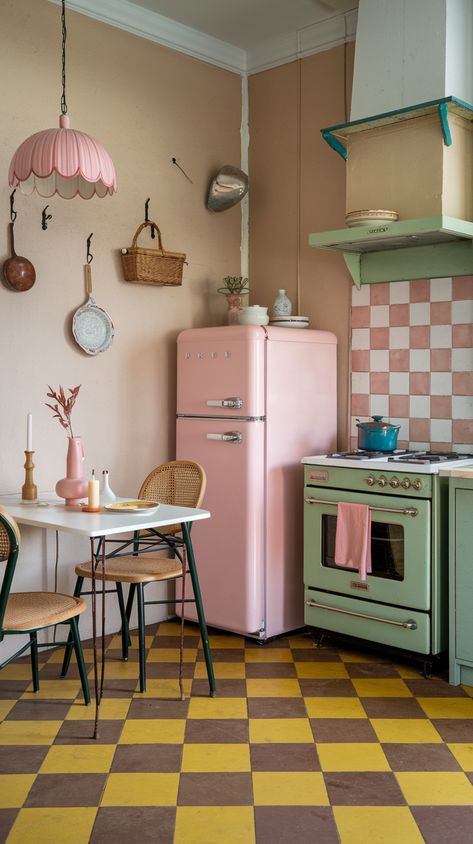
98 688
199 606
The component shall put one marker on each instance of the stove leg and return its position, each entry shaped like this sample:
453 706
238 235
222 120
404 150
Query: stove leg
427 669
319 639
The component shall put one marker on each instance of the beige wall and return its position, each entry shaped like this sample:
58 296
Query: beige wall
297 186
146 104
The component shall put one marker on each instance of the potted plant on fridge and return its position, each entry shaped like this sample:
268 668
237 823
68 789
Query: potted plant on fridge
234 287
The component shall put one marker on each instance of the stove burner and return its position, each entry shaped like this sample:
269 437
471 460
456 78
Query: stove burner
423 457
359 454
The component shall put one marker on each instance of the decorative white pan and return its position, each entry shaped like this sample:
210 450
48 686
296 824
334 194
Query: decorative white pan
92 327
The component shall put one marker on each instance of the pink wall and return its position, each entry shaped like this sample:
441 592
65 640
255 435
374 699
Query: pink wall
412 360
146 104
297 186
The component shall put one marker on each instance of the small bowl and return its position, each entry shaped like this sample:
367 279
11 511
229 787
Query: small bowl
253 315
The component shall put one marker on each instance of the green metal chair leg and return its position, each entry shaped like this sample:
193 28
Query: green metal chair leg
80 659
70 640
129 607
34 660
141 635
199 607
125 632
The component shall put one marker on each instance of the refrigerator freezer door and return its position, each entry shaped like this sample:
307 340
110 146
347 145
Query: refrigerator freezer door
229 547
220 371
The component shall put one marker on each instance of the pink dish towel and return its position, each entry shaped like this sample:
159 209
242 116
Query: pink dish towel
353 537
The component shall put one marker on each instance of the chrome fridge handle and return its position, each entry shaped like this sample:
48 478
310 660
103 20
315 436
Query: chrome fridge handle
232 401
229 437
410 624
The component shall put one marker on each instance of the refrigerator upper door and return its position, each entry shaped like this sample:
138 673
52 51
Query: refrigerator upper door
229 549
221 371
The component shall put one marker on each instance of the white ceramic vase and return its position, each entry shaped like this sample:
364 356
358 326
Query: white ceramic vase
106 494
282 305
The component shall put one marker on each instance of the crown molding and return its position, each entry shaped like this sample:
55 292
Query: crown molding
146 24
142 22
316 38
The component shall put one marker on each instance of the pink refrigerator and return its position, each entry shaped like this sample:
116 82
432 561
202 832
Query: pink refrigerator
251 401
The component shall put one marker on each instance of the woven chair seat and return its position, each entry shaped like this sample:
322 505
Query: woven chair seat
134 569
32 610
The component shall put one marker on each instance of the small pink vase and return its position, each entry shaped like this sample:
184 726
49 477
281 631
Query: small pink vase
73 487
234 301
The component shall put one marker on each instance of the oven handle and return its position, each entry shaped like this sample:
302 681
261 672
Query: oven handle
409 625
408 511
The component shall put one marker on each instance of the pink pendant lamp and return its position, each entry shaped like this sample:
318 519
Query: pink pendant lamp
64 160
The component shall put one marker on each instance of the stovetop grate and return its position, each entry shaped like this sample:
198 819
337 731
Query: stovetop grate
403 456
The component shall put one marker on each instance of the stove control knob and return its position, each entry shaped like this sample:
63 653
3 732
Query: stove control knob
382 481
370 480
406 484
417 484
394 482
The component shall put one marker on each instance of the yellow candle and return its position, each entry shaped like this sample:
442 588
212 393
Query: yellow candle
93 491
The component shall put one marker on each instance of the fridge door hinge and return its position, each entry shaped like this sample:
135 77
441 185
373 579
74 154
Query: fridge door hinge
262 631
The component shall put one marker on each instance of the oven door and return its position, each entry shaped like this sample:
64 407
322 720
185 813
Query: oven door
400 548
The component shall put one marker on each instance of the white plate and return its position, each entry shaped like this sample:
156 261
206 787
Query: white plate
92 328
132 506
288 324
290 319
364 218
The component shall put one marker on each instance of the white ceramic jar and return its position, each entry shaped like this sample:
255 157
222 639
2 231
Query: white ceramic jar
282 305
254 315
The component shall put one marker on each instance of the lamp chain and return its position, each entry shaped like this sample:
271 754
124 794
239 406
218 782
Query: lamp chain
64 35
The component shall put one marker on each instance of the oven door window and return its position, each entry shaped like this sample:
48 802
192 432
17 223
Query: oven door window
387 548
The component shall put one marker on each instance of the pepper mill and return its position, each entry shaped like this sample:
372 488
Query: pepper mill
29 490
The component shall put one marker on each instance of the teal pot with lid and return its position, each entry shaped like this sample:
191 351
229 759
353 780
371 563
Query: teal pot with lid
377 435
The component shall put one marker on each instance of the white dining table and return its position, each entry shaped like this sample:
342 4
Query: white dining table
50 513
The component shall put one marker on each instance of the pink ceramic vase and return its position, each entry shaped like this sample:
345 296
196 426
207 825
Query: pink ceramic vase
73 487
234 301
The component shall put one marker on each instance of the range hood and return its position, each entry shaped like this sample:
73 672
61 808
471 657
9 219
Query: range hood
431 246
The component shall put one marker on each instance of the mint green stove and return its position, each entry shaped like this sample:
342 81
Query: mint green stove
403 602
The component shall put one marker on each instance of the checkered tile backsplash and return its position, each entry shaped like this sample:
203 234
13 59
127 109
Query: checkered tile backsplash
412 360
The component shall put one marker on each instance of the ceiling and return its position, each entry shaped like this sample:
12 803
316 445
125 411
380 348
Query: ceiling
247 23
244 36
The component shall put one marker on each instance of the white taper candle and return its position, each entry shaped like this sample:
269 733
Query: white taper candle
29 432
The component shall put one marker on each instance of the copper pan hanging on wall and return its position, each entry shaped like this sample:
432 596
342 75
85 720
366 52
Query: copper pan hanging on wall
18 272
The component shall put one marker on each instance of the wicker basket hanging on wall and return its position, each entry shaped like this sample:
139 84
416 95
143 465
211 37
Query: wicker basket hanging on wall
152 266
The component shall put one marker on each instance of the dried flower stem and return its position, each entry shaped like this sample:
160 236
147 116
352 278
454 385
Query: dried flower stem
63 407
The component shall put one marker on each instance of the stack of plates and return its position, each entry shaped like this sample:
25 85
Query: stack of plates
290 321
364 218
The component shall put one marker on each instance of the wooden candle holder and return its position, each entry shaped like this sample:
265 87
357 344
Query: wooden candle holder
29 490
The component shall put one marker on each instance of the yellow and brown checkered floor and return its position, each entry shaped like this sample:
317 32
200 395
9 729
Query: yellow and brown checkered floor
302 744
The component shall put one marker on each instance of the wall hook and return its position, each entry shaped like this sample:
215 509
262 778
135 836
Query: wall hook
45 217
13 214
174 161
147 220
90 257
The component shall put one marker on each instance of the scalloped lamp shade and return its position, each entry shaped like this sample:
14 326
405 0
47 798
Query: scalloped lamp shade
62 161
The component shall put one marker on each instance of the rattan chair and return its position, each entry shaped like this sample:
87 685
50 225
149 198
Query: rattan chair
178 482
28 612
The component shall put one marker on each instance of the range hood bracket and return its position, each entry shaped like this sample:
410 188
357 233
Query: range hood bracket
336 135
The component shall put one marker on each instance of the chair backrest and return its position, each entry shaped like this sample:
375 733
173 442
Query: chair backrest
9 548
180 482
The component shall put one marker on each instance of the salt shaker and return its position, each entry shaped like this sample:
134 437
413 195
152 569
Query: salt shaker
282 305
106 496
